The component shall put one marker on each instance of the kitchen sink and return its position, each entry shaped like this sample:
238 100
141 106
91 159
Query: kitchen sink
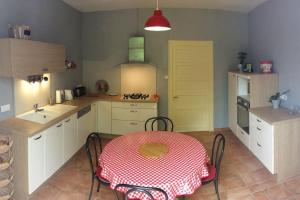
47 114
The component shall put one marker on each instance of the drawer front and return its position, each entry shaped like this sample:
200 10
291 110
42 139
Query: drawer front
262 141
133 114
133 105
120 127
244 137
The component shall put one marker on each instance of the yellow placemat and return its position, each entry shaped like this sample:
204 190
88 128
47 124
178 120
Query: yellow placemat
153 150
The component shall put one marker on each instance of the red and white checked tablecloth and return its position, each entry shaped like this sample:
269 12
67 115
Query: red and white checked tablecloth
178 172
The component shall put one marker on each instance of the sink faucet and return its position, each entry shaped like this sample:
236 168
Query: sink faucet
36 108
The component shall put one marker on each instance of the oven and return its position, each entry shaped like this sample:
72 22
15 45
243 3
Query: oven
243 105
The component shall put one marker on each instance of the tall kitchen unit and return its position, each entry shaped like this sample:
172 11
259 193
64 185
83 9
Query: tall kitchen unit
251 89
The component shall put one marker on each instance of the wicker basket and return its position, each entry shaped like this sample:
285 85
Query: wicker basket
6 171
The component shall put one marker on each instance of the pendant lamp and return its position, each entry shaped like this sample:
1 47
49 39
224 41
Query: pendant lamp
157 22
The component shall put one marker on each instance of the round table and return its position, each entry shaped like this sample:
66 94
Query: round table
178 172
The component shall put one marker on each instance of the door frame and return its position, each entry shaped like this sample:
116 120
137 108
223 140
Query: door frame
170 77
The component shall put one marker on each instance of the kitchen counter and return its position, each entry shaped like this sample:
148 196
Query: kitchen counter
273 116
29 128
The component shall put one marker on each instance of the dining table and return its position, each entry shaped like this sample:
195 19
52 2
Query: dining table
171 161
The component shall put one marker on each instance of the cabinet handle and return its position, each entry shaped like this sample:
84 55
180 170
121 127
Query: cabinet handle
258 120
258 144
258 128
68 120
38 138
133 111
133 123
59 125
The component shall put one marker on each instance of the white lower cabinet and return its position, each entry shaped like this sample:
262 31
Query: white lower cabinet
243 136
130 117
70 137
36 161
262 141
104 116
49 150
53 149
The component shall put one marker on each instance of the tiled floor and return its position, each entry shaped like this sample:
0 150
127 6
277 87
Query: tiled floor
242 177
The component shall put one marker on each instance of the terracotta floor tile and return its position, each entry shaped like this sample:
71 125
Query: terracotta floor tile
293 185
278 192
260 196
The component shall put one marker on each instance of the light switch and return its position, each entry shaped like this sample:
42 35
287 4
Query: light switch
5 108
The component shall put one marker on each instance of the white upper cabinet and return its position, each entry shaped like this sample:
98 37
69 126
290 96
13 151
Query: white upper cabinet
21 58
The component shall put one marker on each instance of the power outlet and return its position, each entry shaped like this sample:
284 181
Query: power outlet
284 97
5 108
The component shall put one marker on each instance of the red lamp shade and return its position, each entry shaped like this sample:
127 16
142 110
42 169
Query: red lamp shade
157 22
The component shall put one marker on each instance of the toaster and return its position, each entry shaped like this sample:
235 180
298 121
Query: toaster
79 91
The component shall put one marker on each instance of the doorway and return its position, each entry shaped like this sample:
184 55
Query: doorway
190 85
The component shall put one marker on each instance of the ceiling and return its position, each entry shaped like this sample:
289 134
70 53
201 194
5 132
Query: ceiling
99 5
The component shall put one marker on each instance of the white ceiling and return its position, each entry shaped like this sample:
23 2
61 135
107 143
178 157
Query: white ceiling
230 5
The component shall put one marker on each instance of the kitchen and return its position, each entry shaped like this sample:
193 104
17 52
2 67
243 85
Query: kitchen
98 43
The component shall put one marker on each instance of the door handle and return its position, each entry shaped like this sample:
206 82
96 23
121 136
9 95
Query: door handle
258 144
175 97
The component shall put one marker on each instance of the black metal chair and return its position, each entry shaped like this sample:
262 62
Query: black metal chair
93 149
167 122
145 190
215 164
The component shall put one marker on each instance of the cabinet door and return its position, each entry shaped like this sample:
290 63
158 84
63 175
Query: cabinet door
84 127
53 149
93 117
104 116
70 137
36 161
232 110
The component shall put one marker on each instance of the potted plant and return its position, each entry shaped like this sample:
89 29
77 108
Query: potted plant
275 99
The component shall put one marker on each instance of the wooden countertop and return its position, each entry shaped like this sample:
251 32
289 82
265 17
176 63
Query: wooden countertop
28 128
273 116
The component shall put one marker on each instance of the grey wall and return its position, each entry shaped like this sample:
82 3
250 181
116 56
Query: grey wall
51 21
105 43
274 33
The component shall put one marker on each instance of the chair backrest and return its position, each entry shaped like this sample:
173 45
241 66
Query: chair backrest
167 123
93 149
146 191
218 152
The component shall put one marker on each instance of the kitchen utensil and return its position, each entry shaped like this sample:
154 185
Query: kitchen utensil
102 86
58 97
79 91
69 95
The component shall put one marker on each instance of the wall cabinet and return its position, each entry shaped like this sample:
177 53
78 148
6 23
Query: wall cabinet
36 158
20 58
70 137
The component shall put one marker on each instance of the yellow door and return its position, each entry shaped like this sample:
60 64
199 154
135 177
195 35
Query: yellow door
190 98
